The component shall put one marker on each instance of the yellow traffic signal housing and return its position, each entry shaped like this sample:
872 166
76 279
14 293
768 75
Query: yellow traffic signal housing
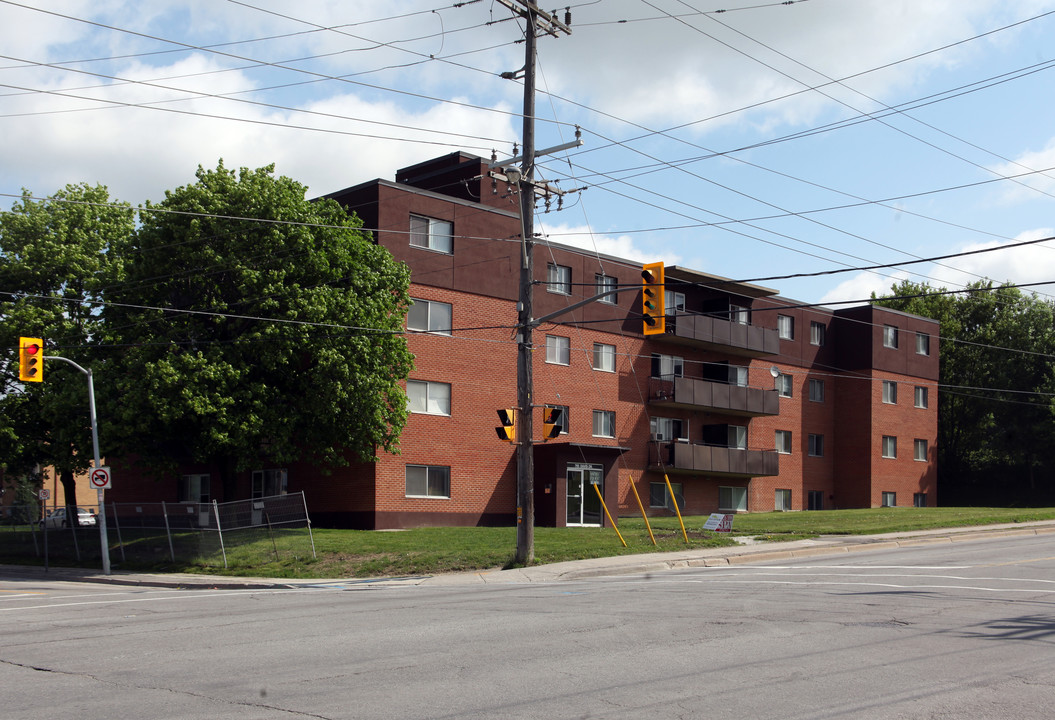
30 359
508 429
552 422
653 306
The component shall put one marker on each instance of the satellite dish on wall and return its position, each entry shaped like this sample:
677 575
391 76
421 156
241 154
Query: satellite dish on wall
774 371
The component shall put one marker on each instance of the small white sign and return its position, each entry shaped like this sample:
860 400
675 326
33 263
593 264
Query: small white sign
719 522
100 478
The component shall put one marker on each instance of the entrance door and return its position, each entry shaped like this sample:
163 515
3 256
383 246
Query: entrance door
584 507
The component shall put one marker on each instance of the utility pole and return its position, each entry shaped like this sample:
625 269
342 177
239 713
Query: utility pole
536 21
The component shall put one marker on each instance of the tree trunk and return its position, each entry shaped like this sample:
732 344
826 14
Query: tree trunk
69 490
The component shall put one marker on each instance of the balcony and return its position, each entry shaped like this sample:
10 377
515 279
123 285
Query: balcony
695 394
687 458
713 333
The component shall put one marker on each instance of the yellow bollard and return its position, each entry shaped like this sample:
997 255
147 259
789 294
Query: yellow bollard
676 508
641 505
609 515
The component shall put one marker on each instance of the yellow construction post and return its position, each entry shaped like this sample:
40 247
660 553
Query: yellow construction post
609 515
676 508
641 505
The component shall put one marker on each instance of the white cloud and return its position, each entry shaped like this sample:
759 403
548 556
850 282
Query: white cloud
860 287
621 246
1032 186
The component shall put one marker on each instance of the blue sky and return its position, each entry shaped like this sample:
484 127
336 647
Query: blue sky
762 141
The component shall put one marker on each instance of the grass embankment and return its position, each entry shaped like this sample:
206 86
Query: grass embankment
426 551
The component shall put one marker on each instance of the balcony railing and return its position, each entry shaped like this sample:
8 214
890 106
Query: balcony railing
694 393
683 457
706 331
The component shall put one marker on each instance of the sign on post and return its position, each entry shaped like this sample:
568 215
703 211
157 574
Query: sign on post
100 478
45 494
719 522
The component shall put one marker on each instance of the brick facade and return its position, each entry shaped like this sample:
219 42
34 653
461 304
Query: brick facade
708 382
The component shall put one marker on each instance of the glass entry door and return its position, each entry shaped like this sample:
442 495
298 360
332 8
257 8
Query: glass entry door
584 507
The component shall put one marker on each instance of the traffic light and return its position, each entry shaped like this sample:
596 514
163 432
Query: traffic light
30 359
552 422
652 304
508 430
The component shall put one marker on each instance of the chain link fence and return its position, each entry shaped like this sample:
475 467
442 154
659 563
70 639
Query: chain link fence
152 534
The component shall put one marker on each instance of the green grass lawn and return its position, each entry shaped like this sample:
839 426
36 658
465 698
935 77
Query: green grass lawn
427 551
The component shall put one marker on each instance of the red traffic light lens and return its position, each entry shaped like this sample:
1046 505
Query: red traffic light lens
32 349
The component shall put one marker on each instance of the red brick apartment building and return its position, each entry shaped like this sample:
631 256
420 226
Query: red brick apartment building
748 401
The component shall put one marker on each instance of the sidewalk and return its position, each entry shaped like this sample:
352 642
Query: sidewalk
572 570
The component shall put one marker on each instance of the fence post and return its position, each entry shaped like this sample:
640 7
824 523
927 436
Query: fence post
219 532
168 530
117 526
307 519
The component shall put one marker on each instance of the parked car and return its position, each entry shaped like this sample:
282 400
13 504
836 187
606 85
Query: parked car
57 518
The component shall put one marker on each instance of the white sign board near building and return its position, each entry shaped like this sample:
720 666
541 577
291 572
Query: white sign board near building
719 522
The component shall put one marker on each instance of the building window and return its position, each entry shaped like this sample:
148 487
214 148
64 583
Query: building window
890 336
674 302
889 499
193 488
431 234
428 481
429 316
739 314
564 423
786 327
738 375
818 331
269 482
659 496
815 500
784 442
429 398
558 350
817 390
738 437
816 445
604 283
558 279
889 446
668 429
890 392
667 366
922 344
782 501
920 397
732 498
783 385
919 500
919 450
604 423
604 357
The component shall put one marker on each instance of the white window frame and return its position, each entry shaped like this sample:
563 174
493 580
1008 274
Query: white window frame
437 235
732 498
782 500
604 357
194 488
739 314
664 429
564 423
919 450
427 397
921 398
558 350
786 327
436 480
922 343
438 316
816 390
783 442
784 385
889 499
816 445
266 483
660 489
672 363
673 302
604 283
890 392
604 423
737 437
558 279
890 447
818 333
890 336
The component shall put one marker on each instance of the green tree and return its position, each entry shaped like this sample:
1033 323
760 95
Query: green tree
253 324
996 416
55 259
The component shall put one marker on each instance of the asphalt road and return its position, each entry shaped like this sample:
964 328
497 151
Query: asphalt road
961 630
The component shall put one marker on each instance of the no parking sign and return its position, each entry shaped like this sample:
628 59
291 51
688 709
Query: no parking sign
100 478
